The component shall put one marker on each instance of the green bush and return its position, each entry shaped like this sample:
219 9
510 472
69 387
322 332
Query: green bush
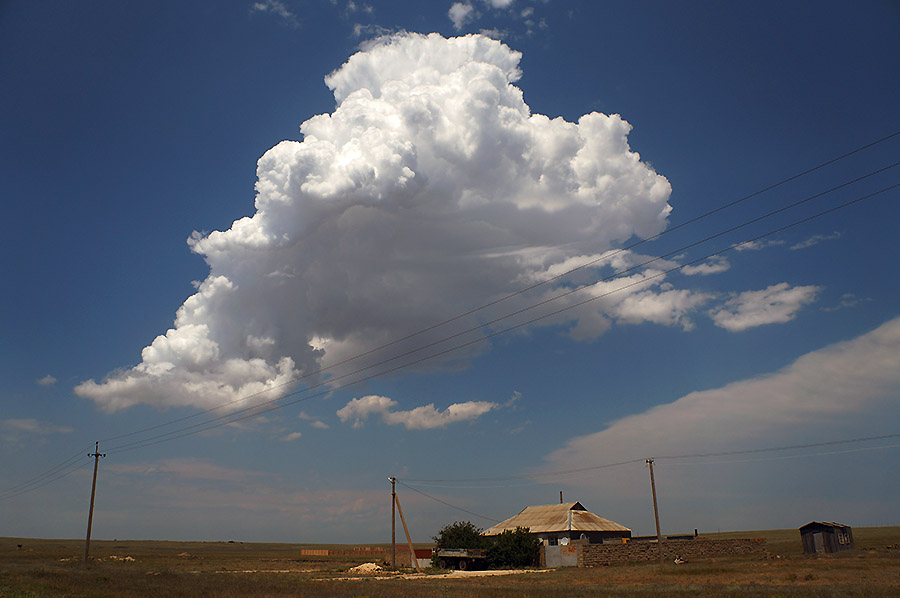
460 534
511 548
514 549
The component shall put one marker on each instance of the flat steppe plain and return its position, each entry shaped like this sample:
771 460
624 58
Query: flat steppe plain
53 568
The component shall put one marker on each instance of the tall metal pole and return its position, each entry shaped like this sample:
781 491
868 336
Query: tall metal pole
393 522
87 542
659 541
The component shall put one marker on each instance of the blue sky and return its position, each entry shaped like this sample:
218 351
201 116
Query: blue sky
434 176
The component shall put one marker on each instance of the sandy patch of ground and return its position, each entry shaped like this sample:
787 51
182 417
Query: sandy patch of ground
458 574
485 573
448 575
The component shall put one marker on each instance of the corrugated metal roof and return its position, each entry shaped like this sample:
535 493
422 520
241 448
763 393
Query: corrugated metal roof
823 523
557 518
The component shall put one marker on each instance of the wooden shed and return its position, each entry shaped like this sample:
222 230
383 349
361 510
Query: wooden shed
826 537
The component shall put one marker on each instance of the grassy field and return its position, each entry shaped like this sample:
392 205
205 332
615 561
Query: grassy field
53 568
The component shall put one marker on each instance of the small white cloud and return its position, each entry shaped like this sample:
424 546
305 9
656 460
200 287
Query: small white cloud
500 3
776 304
670 308
847 300
425 417
714 265
315 422
757 245
815 240
277 8
35 426
359 410
47 380
516 396
24 430
291 437
520 428
493 33
370 30
353 7
460 13
187 469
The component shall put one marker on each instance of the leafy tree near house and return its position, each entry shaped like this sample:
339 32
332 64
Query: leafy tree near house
460 534
514 548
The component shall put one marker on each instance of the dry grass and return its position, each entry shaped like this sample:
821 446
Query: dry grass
787 541
218 570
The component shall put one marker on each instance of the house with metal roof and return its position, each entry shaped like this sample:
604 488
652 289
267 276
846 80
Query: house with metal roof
562 523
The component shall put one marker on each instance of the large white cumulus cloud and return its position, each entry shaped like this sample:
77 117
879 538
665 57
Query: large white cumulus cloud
431 188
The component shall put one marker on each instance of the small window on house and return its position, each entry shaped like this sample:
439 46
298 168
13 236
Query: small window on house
553 541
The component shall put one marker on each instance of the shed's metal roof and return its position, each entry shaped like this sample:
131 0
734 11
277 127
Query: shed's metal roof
813 524
557 518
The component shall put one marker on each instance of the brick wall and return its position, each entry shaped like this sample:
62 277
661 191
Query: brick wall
592 555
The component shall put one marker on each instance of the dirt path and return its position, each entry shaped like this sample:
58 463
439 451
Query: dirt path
486 573
454 574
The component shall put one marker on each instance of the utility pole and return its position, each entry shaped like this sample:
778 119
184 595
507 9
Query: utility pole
659 540
393 523
87 542
412 551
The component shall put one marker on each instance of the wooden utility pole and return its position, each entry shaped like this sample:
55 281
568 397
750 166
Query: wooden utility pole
659 540
412 551
393 523
87 542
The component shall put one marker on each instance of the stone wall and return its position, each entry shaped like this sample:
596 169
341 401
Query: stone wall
592 555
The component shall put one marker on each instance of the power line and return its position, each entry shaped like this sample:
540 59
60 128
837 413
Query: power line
443 502
532 476
558 472
273 404
781 448
519 292
798 456
54 473
48 480
515 313
259 409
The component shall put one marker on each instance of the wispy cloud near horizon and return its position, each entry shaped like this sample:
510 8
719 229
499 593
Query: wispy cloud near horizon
835 385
